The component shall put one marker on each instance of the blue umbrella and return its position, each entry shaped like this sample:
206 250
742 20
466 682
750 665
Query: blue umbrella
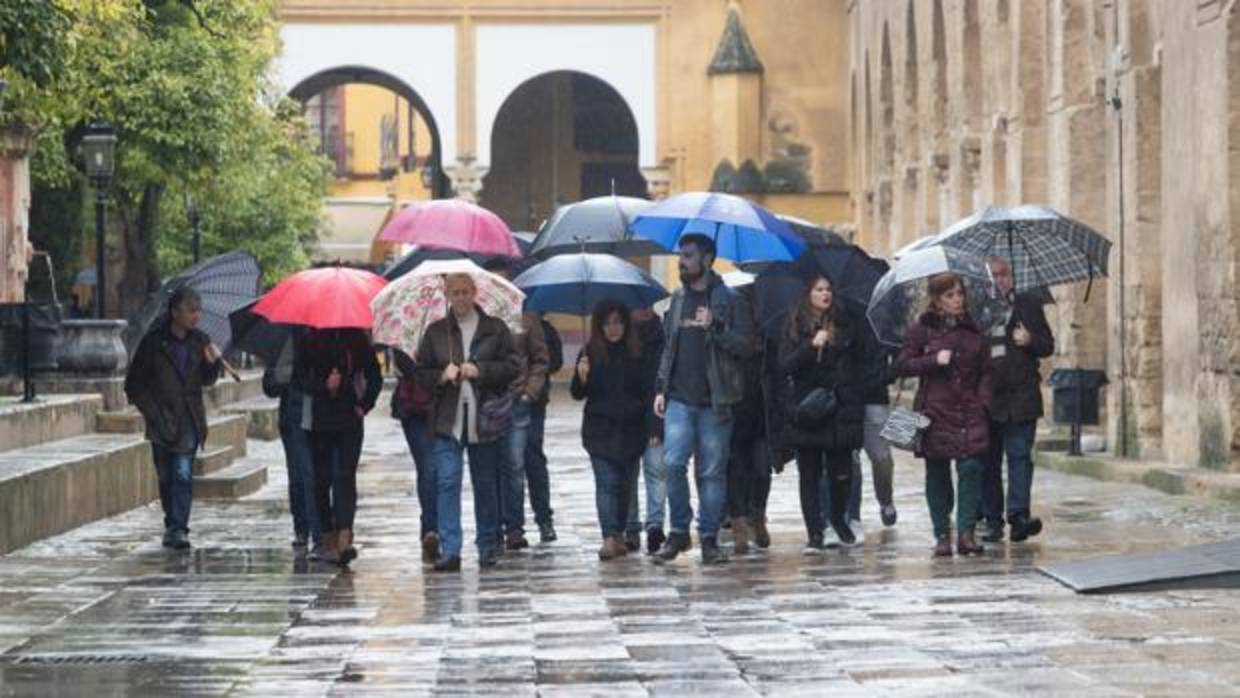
575 283
742 231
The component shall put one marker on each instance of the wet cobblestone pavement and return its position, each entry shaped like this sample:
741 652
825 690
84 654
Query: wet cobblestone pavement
104 610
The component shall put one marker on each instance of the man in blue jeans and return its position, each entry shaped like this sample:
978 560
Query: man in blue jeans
1016 347
171 366
698 382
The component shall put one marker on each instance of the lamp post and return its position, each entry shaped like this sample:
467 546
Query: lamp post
99 147
191 211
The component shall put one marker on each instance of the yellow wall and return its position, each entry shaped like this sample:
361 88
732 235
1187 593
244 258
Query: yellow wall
365 106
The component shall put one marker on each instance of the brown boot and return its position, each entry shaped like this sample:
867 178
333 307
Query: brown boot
943 546
966 545
613 547
325 550
345 552
740 535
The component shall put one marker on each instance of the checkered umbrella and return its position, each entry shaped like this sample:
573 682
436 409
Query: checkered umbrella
1044 247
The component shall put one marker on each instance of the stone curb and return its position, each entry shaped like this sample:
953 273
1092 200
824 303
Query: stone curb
1164 477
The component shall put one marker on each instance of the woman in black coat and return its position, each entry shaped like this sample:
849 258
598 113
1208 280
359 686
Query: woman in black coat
614 380
337 370
817 354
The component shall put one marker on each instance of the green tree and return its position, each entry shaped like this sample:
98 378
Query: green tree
181 81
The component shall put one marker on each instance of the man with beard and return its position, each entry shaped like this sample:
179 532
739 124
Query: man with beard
700 378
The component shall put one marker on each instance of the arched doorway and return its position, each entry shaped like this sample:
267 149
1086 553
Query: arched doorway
560 137
385 149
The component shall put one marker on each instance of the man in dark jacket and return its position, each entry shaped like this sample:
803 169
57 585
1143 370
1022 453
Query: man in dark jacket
173 363
1016 347
699 381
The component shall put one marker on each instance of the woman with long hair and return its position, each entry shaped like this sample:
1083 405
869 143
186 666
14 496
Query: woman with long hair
817 353
617 383
948 353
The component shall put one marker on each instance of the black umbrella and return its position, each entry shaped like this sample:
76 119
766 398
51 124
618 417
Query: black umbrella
255 334
224 282
598 225
852 272
416 256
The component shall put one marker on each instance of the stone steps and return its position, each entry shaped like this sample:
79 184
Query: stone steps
212 460
52 487
264 417
50 418
237 480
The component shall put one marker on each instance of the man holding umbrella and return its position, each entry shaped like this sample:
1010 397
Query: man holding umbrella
171 366
1017 344
700 379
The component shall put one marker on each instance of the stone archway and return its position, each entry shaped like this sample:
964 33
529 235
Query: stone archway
560 137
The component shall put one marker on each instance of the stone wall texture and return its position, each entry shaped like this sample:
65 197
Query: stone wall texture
1124 114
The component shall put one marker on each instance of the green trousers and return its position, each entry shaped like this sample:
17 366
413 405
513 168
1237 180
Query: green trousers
941 497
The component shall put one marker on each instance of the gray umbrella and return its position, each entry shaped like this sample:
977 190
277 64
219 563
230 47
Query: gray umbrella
901 296
1044 247
598 225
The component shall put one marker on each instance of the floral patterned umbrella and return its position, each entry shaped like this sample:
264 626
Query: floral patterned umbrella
407 306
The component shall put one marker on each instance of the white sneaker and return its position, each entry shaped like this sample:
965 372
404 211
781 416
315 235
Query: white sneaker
858 532
830 539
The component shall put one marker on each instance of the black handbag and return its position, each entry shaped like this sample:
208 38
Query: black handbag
495 417
816 408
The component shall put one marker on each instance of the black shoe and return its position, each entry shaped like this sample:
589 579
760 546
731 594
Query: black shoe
654 540
712 554
991 531
761 536
488 559
515 540
167 542
180 540
448 564
676 544
633 541
847 537
546 533
814 545
889 515
1025 528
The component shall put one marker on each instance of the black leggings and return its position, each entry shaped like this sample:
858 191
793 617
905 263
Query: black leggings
749 479
812 465
336 455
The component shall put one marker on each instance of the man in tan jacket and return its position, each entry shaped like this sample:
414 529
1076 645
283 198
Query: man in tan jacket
527 387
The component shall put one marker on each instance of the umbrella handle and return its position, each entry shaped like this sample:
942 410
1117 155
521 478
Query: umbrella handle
228 368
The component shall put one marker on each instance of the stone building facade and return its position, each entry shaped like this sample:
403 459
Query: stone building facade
1124 114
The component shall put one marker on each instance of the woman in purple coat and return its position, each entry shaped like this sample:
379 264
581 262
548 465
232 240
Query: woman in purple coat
948 353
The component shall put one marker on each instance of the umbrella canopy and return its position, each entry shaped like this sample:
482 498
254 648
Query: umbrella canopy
742 231
901 295
811 232
1043 246
575 283
451 224
410 304
224 283
600 224
779 287
325 298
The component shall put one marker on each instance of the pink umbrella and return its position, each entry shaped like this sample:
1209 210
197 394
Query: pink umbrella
452 224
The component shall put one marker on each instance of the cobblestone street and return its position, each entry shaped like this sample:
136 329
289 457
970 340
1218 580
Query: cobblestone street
104 610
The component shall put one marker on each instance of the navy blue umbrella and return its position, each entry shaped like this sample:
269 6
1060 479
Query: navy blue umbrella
743 231
852 272
575 283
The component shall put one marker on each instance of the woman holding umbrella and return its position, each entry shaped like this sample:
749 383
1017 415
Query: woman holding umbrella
818 354
467 360
337 370
947 351
617 383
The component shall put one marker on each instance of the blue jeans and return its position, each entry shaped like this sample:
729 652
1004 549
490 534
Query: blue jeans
176 486
1015 440
484 464
512 474
300 463
421 441
703 433
612 482
655 478
536 466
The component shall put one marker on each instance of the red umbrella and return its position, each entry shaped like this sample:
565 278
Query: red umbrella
452 224
327 298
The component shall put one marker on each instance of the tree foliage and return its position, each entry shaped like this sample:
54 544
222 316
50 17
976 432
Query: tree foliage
184 84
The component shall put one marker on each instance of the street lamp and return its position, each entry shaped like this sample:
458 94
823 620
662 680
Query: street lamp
191 211
99 147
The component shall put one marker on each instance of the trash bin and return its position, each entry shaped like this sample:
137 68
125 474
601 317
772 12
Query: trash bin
44 336
1075 394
